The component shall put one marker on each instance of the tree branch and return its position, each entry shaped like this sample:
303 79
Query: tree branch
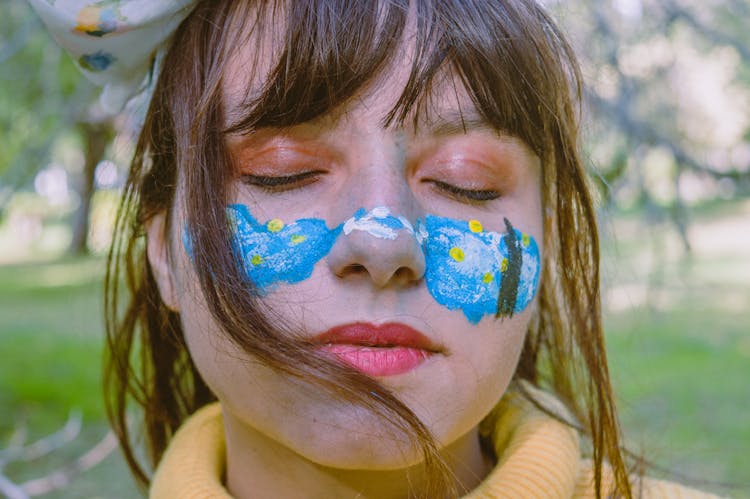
45 445
11 490
62 477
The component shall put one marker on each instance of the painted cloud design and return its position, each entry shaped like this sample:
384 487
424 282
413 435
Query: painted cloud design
479 272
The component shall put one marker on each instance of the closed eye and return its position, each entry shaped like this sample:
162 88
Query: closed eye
281 183
465 195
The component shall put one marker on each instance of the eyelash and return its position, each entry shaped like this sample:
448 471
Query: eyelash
274 184
466 195
281 183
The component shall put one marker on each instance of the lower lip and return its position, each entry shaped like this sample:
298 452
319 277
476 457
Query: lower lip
378 361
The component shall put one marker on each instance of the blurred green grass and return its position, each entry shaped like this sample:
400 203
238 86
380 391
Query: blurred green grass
682 379
51 341
678 335
679 354
51 335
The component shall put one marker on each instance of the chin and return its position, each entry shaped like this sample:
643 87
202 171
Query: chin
365 452
352 438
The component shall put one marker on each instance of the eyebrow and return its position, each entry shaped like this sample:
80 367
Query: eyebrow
440 124
238 113
455 123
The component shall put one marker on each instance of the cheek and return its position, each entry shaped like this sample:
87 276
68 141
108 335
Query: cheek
276 252
482 363
496 352
478 272
206 343
209 347
493 346
226 369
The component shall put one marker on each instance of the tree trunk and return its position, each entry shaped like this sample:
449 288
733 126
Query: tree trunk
96 137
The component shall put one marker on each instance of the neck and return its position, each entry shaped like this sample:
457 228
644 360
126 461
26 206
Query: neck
259 466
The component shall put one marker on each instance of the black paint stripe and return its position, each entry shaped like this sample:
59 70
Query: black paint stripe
506 301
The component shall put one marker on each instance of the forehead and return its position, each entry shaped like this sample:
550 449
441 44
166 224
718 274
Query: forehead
261 62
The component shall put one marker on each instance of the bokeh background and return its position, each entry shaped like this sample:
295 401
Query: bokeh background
666 137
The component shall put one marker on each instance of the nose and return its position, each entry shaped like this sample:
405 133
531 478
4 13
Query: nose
380 245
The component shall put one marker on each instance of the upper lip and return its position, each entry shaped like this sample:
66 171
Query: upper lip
390 334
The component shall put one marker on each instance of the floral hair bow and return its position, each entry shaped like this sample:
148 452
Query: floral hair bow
114 42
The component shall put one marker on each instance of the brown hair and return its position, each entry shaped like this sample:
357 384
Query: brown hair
522 77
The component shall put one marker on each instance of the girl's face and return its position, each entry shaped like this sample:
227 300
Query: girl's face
367 288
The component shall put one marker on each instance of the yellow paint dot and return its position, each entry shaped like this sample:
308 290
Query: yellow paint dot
457 254
475 226
504 265
275 225
488 278
256 260
525 240
298 238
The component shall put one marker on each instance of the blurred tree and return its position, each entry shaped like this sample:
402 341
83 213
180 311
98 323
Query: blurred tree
43 97
96 136
668 88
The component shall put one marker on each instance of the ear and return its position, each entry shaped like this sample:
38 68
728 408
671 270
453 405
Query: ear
156 251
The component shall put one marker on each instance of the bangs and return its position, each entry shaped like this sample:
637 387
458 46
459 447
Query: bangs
508 56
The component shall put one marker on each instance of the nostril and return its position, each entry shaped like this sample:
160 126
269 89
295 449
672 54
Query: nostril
404 274
354 268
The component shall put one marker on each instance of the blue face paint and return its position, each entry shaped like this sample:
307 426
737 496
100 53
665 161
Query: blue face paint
467 268
479 272
378 222
274 252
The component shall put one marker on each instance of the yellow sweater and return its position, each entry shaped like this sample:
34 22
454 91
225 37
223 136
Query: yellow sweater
537 457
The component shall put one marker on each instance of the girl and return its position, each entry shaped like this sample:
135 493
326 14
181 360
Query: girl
360 254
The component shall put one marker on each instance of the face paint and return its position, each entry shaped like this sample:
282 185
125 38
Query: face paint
378 222
467 268
276 252
479 272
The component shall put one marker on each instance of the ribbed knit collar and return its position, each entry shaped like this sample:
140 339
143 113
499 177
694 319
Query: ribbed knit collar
538 456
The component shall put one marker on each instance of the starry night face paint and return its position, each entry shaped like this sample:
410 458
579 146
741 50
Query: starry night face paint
477 271
378 222
467 268
274 252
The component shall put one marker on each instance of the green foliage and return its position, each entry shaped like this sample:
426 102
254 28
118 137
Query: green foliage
51 338
54 311
677 334
682 378
41 93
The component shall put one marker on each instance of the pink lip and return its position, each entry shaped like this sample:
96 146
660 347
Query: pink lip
383 350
